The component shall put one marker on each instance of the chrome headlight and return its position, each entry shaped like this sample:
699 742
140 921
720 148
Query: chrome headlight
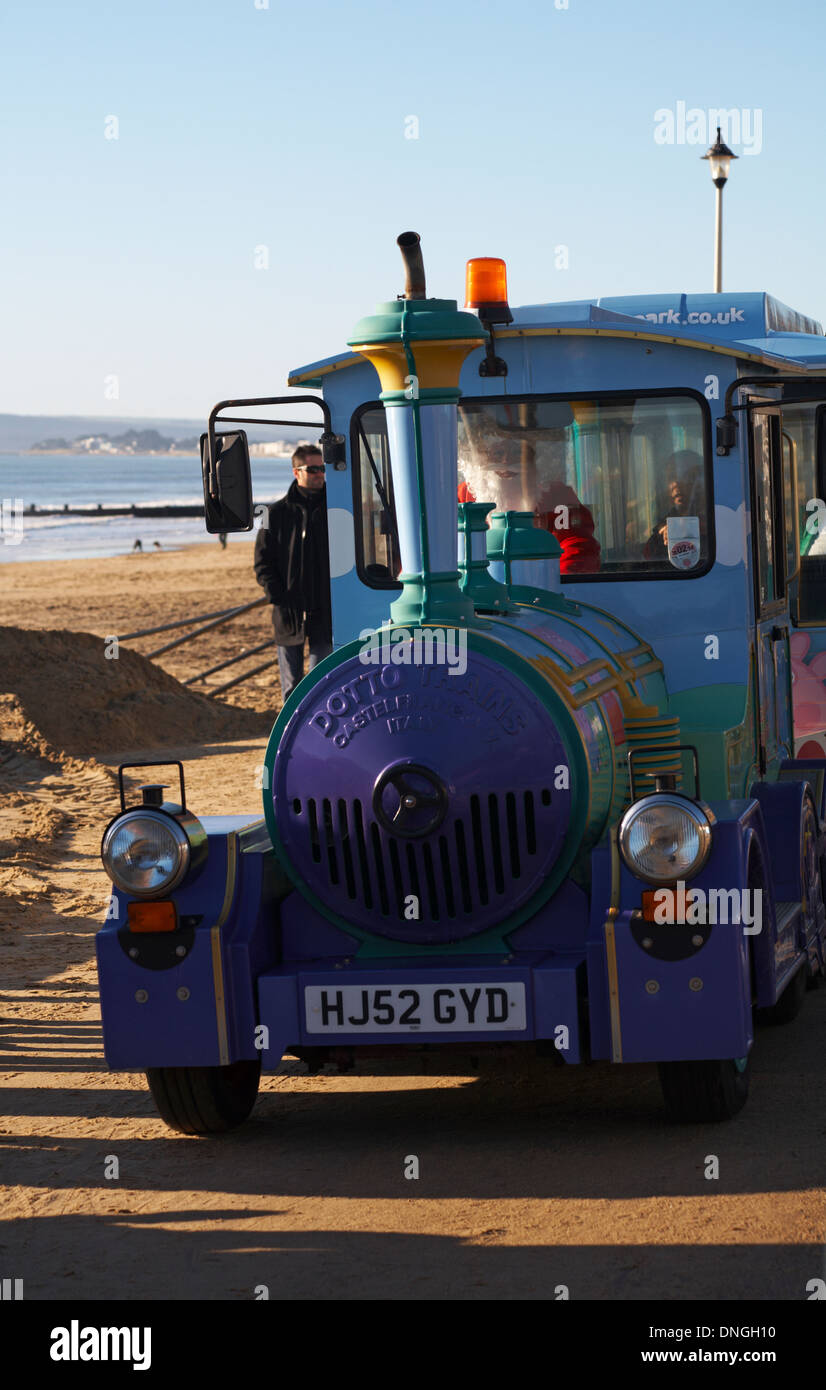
146 852
665 837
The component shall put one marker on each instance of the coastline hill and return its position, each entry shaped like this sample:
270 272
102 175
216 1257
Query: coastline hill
21 433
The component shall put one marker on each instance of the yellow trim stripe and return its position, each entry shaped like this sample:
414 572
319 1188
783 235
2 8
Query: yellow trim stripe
296 378
765 359
217 963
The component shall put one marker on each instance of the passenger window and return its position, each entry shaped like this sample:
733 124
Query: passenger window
762 522
808 545
768 524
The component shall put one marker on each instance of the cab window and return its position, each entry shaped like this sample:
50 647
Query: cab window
377 548
622 481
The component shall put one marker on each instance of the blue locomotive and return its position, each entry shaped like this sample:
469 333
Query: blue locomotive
561 782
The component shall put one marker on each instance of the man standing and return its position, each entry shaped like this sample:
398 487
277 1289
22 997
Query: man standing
292 565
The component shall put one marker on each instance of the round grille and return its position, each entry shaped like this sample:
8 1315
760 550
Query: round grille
420 804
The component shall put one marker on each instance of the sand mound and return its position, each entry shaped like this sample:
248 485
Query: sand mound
60 692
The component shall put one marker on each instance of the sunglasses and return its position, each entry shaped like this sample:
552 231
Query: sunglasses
312 468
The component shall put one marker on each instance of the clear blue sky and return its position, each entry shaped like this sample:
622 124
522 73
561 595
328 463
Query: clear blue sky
284 127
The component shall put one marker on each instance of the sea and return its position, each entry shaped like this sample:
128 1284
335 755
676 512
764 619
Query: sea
84 480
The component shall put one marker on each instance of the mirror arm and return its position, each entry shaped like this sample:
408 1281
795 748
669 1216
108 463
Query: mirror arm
328 438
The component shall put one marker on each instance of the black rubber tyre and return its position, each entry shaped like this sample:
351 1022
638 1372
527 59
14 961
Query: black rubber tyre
205 1100
699 1092
788 1005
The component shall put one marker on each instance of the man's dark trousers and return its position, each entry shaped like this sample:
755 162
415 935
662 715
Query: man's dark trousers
291 662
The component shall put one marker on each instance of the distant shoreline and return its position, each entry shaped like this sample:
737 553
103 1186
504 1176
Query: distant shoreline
107 453
128 454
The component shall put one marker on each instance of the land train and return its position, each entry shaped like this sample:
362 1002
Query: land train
560 783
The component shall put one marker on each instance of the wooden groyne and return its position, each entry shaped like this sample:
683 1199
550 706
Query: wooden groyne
160 509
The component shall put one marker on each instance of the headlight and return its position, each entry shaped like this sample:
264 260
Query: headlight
145 852
665 837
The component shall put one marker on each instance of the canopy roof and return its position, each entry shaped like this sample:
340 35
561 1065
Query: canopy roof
753 325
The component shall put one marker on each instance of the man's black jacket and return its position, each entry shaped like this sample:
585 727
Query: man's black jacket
292 565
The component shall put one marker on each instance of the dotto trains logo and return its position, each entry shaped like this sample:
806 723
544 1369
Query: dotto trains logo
425 646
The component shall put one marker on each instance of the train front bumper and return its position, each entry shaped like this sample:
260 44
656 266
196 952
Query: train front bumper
421 1000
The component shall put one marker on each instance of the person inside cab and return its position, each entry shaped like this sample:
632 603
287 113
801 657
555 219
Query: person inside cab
560 511
686 493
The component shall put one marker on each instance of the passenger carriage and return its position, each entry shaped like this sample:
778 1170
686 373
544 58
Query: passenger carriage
561 782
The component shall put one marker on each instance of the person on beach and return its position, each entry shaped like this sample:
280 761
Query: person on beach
292 565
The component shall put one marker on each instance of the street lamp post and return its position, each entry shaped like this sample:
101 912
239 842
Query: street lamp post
719 157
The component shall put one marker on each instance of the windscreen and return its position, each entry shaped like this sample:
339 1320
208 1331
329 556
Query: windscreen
624 483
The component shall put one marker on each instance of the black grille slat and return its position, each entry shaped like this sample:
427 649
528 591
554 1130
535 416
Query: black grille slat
413 870
346 848
315 839
330 841
398 882
464 873
530 823
496 841
361 847
375 839
479 849
447 877
430 877
513 833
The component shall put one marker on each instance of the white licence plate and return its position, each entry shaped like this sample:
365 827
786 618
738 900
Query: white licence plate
416 1008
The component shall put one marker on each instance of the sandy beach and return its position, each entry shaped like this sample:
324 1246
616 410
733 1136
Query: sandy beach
532 1178
127 593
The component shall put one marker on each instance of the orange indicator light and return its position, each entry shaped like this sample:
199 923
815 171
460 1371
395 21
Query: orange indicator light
152 916
486 282
654 903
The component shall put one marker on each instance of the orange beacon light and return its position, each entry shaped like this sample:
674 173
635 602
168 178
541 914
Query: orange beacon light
486 293
486 282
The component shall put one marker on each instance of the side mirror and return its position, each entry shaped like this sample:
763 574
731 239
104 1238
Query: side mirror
333 450
726 434
227 483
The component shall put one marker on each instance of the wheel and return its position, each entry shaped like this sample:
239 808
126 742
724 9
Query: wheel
205 1100
698 1092
788 1005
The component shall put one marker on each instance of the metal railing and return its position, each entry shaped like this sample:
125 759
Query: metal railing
207 623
